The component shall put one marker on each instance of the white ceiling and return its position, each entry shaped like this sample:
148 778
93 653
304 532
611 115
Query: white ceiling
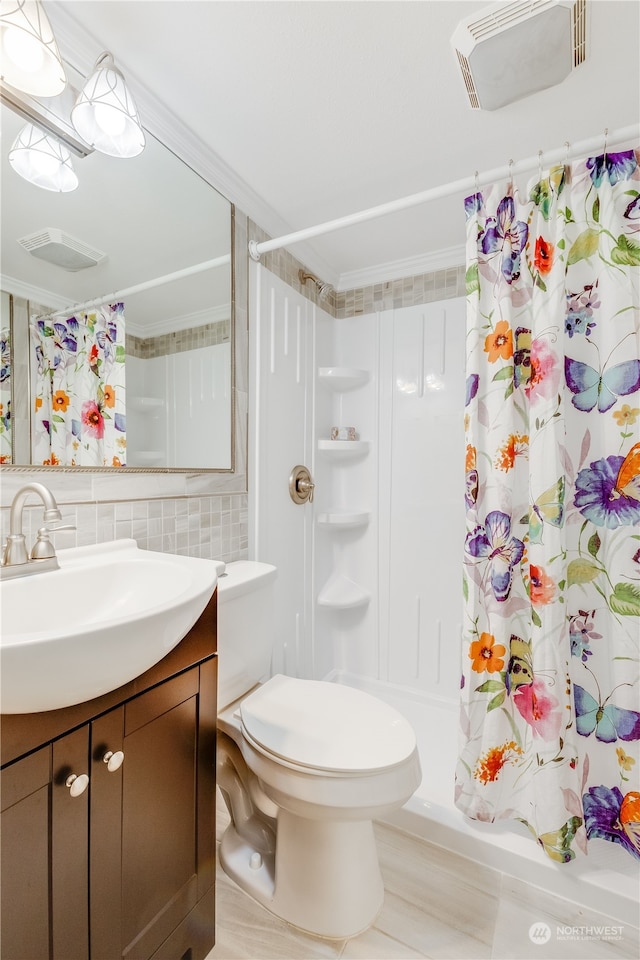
325 108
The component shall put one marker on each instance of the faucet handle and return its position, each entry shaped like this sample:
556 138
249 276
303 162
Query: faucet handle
43 549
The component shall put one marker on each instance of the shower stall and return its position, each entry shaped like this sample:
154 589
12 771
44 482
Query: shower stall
369 572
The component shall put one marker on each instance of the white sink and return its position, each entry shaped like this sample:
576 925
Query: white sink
108 614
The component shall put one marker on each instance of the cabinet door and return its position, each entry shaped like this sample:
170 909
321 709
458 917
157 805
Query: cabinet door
105 830
24 861
69 842
159 837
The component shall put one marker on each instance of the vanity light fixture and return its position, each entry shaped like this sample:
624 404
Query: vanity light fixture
42 160
31 61
105 114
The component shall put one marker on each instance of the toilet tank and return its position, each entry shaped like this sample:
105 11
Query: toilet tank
245 627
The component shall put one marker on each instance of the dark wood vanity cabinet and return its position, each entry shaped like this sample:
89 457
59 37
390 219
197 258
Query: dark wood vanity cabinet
126 867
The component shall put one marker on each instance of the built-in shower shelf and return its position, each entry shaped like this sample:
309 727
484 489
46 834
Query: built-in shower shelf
145 404
340 519
340 593
342 378
343 446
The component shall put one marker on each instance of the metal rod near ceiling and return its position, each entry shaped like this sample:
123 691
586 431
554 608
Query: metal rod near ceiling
512 168
139 287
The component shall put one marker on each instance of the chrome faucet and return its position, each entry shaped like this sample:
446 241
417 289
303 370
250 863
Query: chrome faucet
16 562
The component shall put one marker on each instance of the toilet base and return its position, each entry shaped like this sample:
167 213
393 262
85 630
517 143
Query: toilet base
324 876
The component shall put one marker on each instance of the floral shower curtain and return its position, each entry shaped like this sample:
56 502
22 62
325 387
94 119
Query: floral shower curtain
79 389
551 637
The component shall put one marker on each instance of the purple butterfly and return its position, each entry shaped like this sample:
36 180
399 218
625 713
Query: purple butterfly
617 166
593 387
495 542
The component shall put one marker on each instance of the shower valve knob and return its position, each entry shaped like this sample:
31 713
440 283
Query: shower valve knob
301 486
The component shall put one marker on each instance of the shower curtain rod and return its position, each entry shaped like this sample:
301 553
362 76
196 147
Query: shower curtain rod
139 287
573 151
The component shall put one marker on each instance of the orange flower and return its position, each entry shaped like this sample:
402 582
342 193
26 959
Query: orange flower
488 767
60 400
470 459
53 461
38 402
630 808
499 344
486 654
542 588
543 257
516 445
109 395
116 462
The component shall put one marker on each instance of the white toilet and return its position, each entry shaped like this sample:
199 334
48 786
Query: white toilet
304 766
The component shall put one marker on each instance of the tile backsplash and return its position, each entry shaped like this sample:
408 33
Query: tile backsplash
212 527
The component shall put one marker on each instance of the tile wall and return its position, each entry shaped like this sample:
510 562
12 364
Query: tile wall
206 335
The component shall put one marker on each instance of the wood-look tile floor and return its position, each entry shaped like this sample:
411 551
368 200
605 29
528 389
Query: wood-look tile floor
438 905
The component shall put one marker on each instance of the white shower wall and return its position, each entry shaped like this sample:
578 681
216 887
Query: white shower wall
173 396
379 600
408 556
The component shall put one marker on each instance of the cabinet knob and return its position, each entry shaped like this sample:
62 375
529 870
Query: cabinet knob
77 784
113 760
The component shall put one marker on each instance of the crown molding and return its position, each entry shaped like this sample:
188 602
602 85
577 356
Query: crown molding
400 269
18 288
186 322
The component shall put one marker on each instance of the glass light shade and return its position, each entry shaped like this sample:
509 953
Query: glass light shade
42 160
30 57
105 114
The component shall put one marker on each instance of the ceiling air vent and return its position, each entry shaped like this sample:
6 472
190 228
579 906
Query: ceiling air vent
511 50
56 246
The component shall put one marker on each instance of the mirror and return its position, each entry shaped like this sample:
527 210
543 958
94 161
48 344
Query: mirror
150 216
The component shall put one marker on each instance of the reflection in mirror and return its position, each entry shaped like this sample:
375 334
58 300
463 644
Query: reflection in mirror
147 233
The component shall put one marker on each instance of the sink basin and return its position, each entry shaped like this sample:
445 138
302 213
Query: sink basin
108 614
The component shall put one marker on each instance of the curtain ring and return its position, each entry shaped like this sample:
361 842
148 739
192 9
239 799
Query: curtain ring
511 174
606 134
476 184
566 153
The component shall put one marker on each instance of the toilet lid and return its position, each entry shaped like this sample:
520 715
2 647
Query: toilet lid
326 725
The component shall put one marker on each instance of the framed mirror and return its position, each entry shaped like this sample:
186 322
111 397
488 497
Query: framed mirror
130 223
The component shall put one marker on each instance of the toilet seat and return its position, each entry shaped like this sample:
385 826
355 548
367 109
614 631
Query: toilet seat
325 727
